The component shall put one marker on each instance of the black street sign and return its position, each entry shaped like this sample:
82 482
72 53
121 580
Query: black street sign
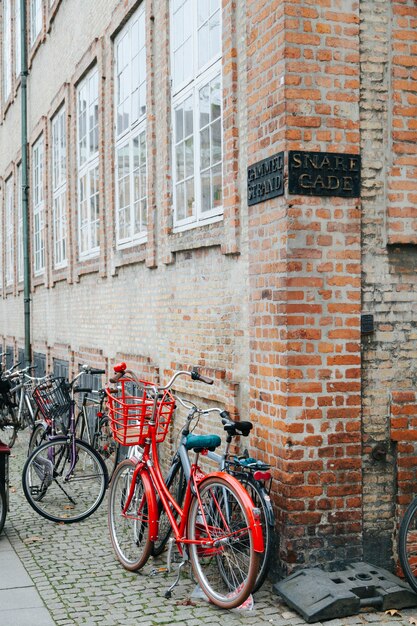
266 179
324 174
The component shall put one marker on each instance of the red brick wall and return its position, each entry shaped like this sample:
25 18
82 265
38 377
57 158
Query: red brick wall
305 280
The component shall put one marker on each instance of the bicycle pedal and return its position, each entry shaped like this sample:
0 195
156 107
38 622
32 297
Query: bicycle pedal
158 570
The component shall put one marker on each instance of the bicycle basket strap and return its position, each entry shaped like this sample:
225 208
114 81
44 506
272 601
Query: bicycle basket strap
202 442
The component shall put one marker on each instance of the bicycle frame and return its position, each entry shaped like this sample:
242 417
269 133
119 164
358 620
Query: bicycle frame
153 481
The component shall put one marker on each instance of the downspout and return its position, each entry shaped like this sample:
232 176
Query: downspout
25 184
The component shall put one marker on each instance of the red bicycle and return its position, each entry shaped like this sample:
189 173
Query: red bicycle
217 528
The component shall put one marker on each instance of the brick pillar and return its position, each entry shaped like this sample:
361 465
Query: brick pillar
304 264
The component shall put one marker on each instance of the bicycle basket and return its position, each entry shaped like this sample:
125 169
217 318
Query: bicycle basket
131 408
53 399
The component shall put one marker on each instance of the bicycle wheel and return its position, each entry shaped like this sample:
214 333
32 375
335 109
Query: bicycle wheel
39 436
407 544
175 482
9 424
55 492
226 571
3 507
129 532
262 501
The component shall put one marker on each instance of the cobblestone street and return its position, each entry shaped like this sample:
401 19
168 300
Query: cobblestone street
80 582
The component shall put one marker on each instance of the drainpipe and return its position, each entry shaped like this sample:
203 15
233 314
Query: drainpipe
25 183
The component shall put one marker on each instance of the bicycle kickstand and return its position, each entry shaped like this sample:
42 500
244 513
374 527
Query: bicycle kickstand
168 593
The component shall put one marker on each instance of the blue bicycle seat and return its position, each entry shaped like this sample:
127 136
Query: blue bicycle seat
198 443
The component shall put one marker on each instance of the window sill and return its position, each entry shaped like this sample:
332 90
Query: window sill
197 236
128 256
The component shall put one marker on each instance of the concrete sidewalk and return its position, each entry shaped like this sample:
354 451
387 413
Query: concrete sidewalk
20 603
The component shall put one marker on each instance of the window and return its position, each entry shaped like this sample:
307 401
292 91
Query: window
9 357
19 243
9 226
39 362
197 107
130 123
35 19
61 368
38 207
59 188
7 50
88 173
18 38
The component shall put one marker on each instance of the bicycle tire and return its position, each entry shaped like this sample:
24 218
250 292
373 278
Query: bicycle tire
407 544
262 501
38 437
56 495
175 481
224 512
130 536
3 507
9 424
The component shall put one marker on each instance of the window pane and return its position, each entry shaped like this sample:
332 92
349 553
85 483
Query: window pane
180 161
205 148
190 197
216 142
217 186
179 126
204 106
180 201
189 157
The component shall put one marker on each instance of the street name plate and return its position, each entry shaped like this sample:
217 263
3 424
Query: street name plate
266 179
324 174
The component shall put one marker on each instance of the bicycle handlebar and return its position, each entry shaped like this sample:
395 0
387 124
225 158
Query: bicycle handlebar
121 371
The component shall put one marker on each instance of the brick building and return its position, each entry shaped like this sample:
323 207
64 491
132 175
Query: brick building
164 231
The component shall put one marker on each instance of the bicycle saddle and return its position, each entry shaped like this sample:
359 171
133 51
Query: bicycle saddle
198 443
237 428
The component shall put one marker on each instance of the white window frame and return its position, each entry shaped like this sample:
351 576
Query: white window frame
9 231
18 38
19 234
59 188
7 49
190 87
88 170
38 206
134 179
36 18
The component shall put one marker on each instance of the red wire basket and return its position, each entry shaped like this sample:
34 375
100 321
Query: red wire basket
131 408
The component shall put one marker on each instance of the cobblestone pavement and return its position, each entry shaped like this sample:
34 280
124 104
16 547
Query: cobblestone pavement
80 581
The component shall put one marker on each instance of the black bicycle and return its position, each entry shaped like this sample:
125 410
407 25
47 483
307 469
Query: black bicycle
64 479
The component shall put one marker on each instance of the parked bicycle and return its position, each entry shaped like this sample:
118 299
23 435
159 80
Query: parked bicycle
407 544
217 527
9 424
64 479
91 426
254 475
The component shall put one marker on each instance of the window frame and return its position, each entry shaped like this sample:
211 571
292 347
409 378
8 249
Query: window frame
18 39
86 170
38 206
19 233
125 138
7 75
9 231
59 188
191 86
36 20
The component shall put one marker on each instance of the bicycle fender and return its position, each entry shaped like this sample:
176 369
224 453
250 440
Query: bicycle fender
254 521
153 507
269 511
